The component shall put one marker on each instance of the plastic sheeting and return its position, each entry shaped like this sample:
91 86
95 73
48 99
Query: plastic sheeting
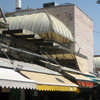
41 23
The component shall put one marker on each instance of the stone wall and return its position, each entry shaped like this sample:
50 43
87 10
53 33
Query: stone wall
81 27
84 35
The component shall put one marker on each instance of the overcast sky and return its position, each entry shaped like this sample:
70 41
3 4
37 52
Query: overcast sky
88 6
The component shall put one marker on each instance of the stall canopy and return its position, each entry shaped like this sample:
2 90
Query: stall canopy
49 82
32 76
83 81
44 24
12 79
79 76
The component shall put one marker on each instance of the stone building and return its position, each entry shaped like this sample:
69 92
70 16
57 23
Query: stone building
80 25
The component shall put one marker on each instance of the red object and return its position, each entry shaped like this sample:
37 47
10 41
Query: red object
79 83
83 83
91 84
87 84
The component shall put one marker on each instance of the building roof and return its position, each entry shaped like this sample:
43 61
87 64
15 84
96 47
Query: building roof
40 23
27 11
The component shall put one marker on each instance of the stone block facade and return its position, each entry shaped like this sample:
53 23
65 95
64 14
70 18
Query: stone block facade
84 35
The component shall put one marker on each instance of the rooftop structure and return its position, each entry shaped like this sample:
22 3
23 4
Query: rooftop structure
42 23
76 21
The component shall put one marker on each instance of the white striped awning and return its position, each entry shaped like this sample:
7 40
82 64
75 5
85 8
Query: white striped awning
12 79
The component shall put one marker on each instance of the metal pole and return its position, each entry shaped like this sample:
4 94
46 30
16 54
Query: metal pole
23 51
3 15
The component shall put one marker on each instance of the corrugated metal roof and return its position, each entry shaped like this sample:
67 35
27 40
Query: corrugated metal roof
40 23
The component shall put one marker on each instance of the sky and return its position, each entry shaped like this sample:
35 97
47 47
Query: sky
88 6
